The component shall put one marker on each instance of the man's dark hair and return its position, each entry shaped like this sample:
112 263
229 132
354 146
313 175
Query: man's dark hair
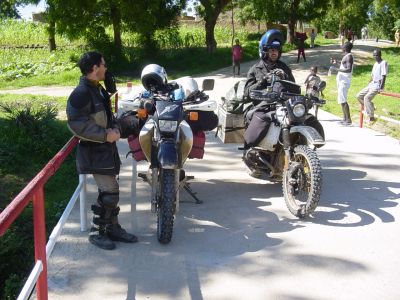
88 60
348 46
377 52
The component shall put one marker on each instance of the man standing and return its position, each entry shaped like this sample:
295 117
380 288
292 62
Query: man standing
237 53
375 85
364 33
90 118
312 37
301 37
343 79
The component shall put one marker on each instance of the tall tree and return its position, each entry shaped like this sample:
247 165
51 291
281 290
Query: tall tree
89 19
285 12
210 11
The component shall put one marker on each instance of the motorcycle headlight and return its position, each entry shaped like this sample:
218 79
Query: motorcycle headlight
299 110
167 125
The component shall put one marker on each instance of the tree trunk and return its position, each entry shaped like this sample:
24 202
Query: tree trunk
292 21
116 21
233 27
210 39
52 35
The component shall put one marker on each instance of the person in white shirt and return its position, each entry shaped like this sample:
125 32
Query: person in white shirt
375 85
343 79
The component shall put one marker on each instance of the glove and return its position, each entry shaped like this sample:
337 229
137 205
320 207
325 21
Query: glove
279 73
109 82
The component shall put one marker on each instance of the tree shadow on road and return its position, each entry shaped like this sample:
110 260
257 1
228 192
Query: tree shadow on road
357 201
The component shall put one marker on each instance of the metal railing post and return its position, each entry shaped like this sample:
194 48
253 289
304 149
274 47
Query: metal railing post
133 193
39 232
82 202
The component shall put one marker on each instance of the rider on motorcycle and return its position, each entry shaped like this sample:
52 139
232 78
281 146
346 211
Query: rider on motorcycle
270 50
258 78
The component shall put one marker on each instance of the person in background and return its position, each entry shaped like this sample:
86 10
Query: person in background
342 38
343 79
312 37
350 35
90 118
364 33
301 37
237 53
397 37
376 85
312 80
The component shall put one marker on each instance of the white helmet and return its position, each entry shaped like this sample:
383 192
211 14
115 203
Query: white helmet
154 77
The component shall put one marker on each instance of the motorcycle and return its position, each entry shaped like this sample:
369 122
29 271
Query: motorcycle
285 151
166 140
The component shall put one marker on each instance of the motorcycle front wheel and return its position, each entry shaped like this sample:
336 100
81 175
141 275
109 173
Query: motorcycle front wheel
302 182
166 206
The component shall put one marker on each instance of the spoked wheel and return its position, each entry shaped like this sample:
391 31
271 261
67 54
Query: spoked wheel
302 182
166 206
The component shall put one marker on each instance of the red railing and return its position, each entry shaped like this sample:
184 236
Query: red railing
396 95
34 191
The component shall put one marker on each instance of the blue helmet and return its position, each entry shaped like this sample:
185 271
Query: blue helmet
273 38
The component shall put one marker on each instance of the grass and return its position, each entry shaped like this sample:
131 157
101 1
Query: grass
61 101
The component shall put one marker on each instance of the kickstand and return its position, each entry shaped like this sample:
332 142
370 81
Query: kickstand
188 189
184 183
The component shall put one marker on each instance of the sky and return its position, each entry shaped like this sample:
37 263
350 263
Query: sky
26 11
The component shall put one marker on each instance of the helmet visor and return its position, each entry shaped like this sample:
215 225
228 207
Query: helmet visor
274 45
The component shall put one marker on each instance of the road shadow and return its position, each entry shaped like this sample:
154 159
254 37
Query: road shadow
357 201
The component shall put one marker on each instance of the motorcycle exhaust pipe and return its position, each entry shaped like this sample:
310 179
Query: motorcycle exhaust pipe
267 163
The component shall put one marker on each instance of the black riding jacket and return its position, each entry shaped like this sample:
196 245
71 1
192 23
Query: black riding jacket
89 115
259 70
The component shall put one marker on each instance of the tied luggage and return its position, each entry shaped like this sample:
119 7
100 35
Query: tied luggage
136 150
199 141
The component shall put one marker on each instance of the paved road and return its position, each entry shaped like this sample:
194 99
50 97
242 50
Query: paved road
242 243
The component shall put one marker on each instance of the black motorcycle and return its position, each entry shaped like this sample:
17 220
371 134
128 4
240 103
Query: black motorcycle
284 150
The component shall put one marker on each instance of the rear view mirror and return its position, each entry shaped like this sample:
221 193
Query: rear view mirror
208 84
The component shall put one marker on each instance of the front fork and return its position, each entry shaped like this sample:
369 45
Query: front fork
286 146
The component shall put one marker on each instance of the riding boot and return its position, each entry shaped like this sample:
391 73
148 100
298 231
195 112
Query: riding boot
114 230
116 233
97 235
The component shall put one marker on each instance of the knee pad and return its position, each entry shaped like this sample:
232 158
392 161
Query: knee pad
108 200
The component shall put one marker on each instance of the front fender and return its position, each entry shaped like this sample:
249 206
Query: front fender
310 133
167 155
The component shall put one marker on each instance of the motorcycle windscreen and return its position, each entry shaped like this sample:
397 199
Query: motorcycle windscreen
169 110
167 155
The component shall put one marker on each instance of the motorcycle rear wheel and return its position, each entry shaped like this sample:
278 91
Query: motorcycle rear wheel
302 182
166 206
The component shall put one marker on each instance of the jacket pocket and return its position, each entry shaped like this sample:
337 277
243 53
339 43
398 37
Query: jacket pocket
94 157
